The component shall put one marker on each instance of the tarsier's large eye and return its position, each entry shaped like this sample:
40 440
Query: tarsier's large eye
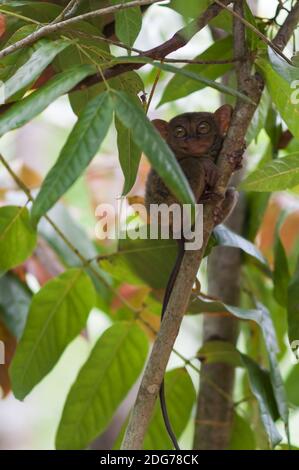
180 131
203 128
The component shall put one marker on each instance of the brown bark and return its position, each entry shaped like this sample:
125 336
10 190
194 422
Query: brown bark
214 414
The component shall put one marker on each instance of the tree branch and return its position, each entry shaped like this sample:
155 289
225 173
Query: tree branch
54 27
178 40
288 27
156 366
144 53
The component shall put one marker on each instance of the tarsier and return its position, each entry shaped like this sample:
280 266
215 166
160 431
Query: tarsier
196 140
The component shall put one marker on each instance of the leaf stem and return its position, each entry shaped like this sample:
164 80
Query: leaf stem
21 17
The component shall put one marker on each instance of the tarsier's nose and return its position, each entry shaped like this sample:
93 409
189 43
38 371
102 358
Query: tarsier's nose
196 146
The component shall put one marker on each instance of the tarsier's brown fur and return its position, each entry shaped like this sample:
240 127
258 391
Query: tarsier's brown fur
196 140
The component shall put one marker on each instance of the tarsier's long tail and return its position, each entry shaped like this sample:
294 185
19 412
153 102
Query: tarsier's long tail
169 287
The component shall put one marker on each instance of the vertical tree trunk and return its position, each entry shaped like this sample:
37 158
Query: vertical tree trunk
214 414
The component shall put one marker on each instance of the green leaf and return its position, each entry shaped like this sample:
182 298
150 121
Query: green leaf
15 298
281 274
81 146
129 155
293 306
277 175
37 11
190 9
130 82
150 261
12 62
147 261
226 237
186 73
31 70
261 382
127 23
17 3
263 289
180 397
194 8
17 236
283 68
242 437
283 96
57 314
128 152
219 352
257 206
87 49
259 118
180 86
25 110
262 317
149 140
103 382
291 385
261 388
283 446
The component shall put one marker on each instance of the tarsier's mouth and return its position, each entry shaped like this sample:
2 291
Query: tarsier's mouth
185 150
188 156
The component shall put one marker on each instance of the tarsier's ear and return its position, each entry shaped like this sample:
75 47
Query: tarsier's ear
223 117
162 127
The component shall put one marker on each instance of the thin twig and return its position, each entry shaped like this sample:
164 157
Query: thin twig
144 53
152 92
68 11
19 16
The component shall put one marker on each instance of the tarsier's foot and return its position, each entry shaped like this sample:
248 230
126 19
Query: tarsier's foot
235 159
212 174
221 212
210 196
